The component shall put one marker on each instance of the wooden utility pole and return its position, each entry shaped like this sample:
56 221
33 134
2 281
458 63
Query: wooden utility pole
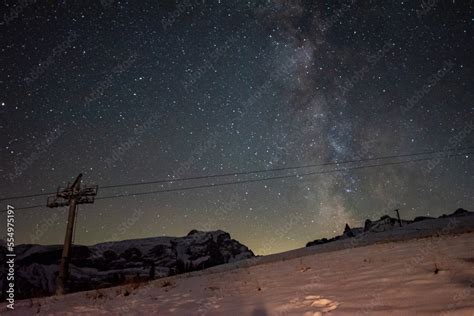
398 216
71 196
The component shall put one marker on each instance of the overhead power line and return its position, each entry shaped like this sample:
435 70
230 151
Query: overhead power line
275 177
278 169
25 196
212 185
161 181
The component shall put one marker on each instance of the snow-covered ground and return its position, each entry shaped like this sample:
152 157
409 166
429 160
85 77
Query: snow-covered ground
424 276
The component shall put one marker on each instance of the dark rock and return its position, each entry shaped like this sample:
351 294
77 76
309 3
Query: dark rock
347 231
109 255
422 218
383 224
318 242
460 212
131 254
192 232
367 225
457 213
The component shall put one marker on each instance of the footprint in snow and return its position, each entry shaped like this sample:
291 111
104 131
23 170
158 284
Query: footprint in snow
322 305
314 305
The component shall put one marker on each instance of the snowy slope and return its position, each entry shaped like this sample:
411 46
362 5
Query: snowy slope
429 276
374 264
407 228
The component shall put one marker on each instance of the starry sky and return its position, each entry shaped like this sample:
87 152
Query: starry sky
129 92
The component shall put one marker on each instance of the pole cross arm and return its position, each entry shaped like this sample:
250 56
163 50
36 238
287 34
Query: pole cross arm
90 190
83 195
85 200
53 202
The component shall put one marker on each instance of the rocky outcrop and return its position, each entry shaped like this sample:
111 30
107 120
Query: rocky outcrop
113 263
422 218
347 231
383 224
458 213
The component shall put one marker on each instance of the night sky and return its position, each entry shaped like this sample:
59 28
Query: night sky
139 91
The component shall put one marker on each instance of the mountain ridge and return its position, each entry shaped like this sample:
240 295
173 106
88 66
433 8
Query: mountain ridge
114 263
384 223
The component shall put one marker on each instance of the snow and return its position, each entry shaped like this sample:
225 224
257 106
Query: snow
423 276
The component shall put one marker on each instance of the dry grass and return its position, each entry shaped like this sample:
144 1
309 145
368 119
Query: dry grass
166 283
95 295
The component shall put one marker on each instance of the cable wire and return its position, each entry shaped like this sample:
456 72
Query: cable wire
246 172
265 179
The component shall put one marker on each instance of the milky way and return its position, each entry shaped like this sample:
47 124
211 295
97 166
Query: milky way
134 92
